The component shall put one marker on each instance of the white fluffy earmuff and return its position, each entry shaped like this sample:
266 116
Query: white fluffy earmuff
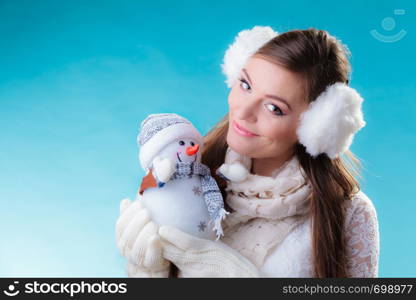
246 43
329 123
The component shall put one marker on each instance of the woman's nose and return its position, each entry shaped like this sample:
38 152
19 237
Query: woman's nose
248 111
192 150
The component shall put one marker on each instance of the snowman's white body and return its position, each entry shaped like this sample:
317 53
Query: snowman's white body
180 202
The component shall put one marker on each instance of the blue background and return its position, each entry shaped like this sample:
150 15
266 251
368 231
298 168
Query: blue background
77 77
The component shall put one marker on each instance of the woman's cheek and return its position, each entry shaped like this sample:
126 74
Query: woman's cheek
231 100
279 130
233 103
269 129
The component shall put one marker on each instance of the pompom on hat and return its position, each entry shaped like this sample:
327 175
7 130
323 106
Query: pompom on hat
330 122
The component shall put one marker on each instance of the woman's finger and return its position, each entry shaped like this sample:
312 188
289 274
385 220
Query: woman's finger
126 217
135 271
153 258
181 239
139 247
124 204
173 254
128 236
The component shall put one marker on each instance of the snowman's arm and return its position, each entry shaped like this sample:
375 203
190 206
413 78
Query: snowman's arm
163 169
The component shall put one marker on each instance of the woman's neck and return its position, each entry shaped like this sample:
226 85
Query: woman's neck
266 166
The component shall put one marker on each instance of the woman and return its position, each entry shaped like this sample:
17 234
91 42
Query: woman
283 165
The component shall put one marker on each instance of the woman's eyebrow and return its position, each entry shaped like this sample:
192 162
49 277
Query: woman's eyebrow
279 99
248 77
269 96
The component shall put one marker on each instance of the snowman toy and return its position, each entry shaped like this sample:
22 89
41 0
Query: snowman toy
178 190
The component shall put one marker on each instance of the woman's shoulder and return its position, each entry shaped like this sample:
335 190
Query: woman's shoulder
360 207
360 199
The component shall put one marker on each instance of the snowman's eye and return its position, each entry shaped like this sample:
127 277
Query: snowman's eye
181 143
192 144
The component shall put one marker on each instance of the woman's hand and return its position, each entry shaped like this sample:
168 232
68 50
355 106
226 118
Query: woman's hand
197 257
138 240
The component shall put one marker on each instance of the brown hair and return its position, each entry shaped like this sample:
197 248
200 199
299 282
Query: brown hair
321 60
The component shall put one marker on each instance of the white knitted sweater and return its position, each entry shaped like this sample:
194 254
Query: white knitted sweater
293 257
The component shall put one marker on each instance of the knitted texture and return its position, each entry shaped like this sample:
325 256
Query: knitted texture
159 130
138 241
155 123
197 257
210 190
265 209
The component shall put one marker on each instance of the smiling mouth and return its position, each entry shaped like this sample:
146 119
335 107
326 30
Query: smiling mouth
242 131
180 160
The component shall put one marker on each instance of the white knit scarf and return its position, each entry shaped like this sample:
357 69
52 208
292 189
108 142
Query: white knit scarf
264 209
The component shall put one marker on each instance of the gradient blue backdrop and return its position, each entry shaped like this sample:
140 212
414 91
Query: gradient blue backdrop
77 77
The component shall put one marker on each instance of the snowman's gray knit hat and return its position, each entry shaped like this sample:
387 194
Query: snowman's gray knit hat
159 130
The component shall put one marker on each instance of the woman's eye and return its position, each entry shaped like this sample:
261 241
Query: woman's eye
192 144
181 143
274 109
244 84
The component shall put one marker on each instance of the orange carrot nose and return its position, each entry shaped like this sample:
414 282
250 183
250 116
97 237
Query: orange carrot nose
192 150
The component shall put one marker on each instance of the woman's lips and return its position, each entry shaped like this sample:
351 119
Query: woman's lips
241 131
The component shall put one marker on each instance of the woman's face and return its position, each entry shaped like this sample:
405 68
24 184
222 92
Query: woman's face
267 102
